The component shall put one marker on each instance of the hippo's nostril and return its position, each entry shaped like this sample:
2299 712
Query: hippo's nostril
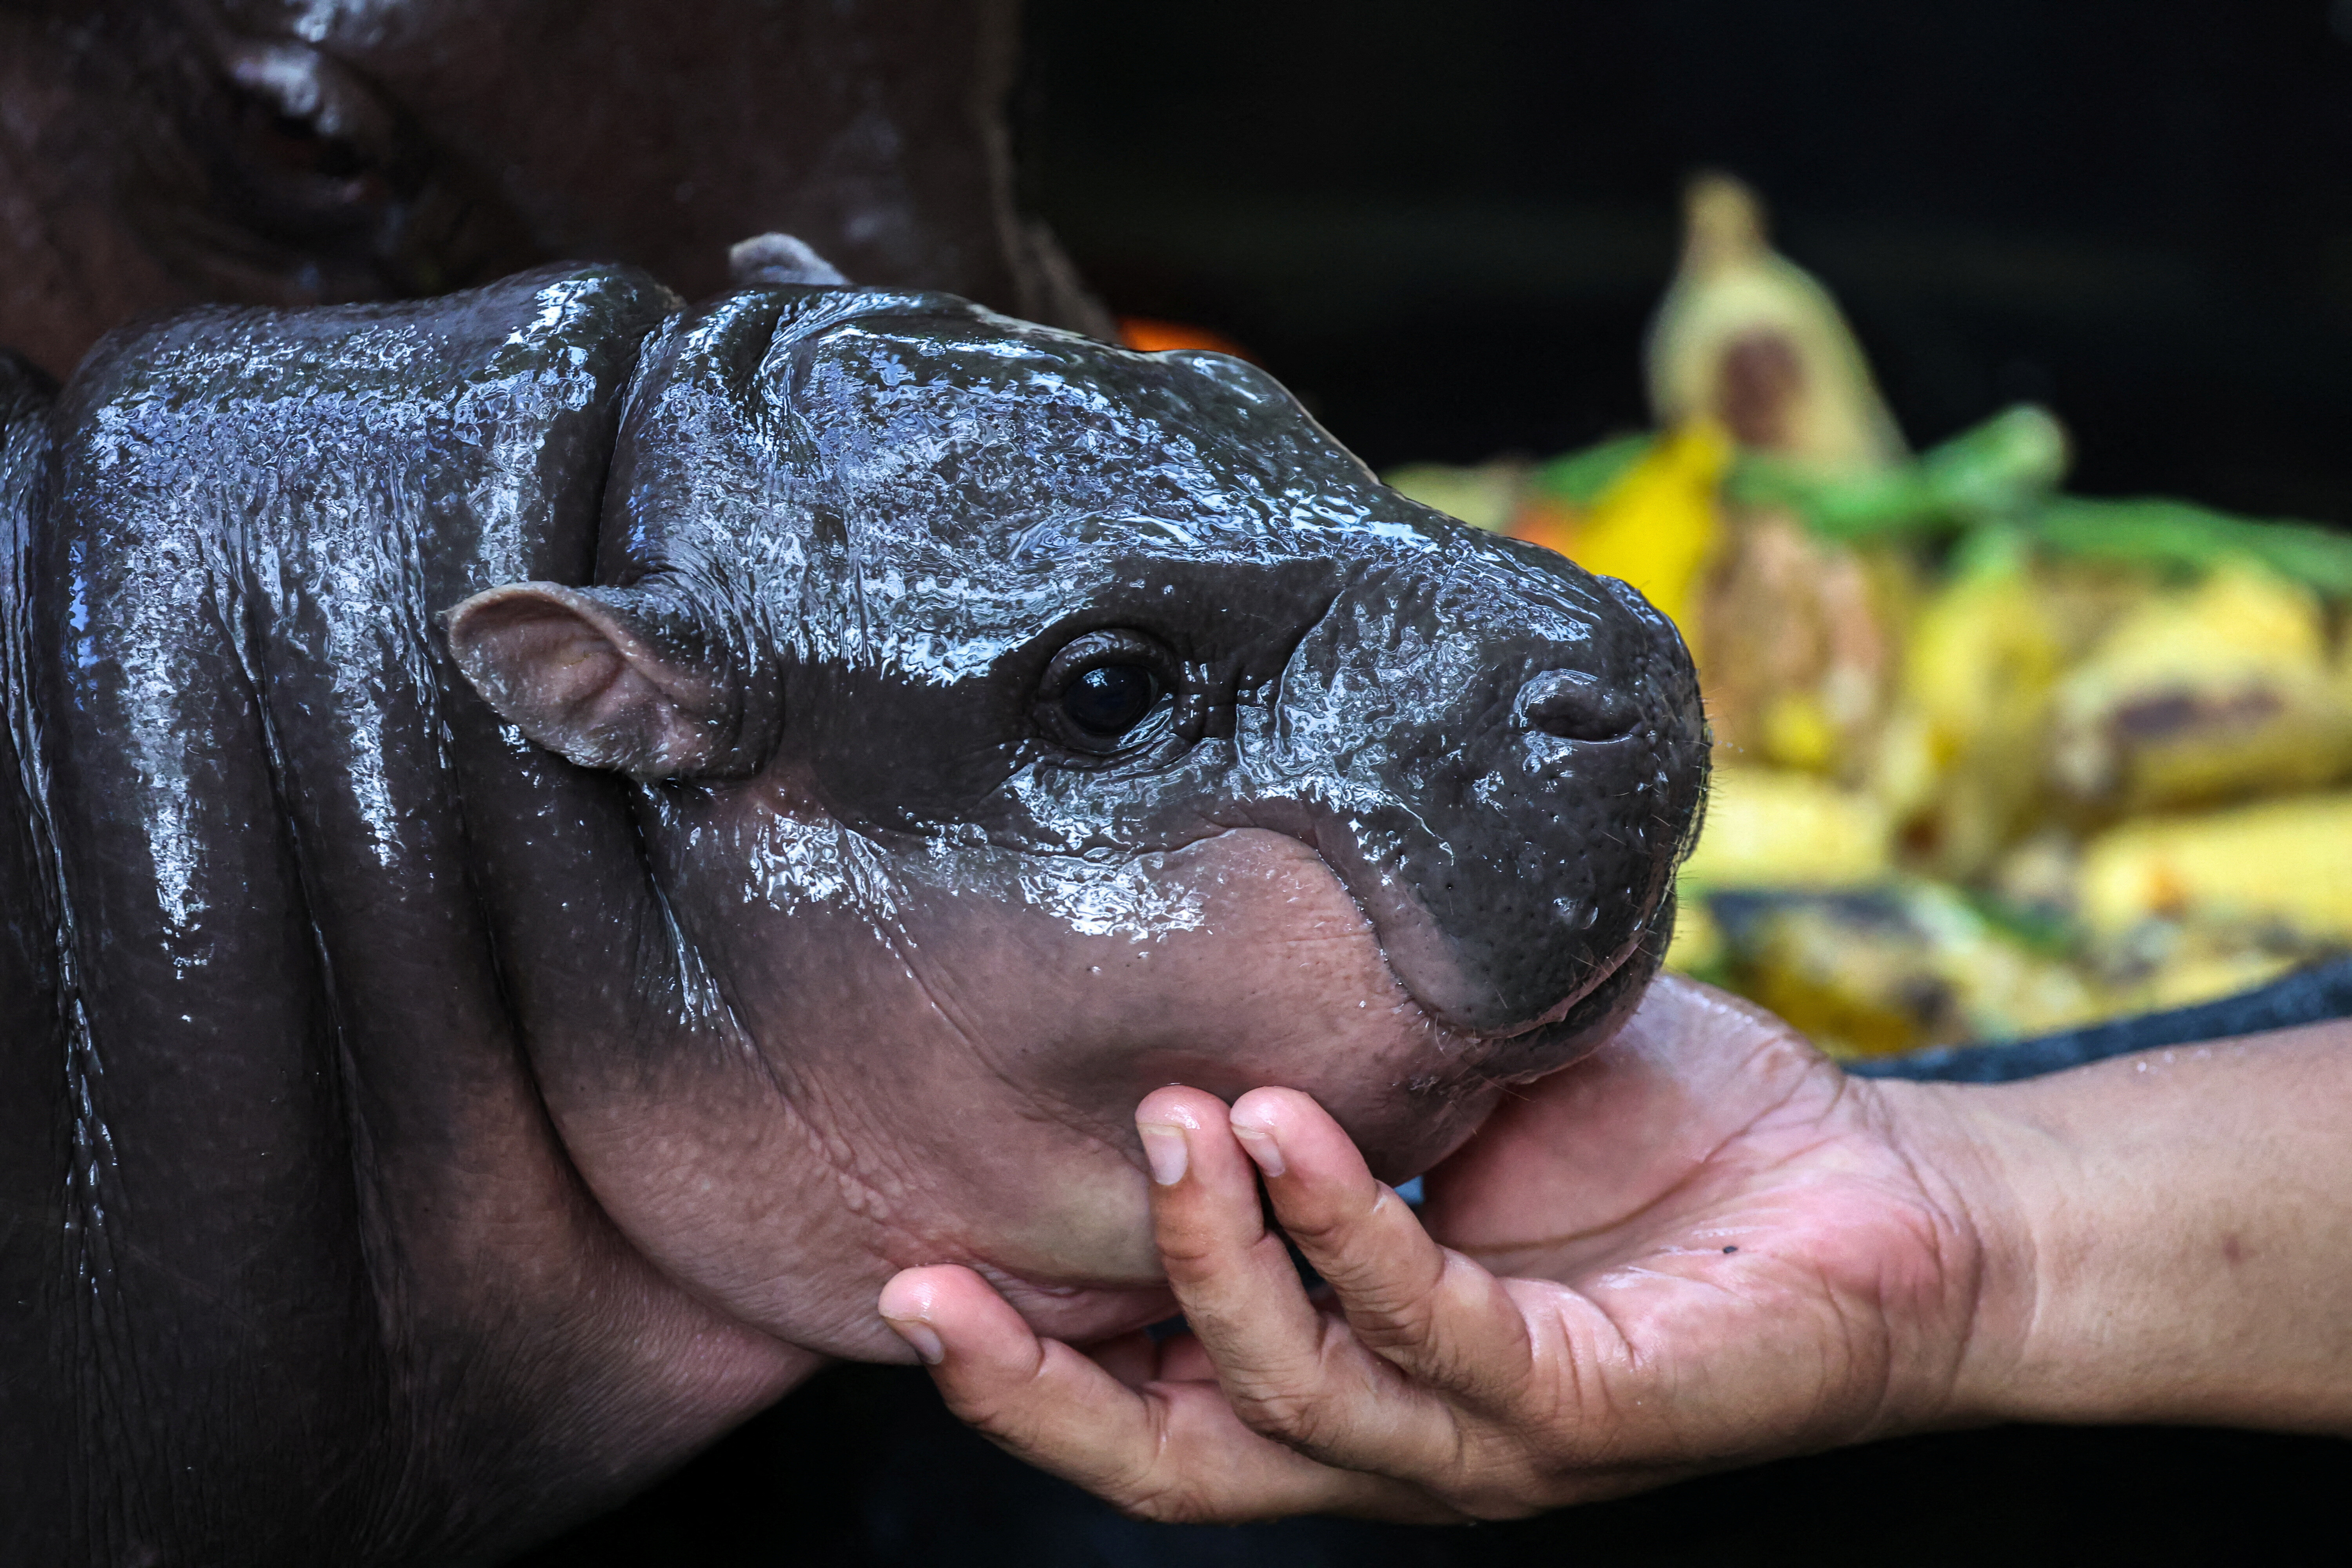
1573 706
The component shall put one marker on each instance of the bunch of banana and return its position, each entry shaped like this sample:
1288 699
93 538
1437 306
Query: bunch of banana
1899 966
1794 630
1981 744
2199 694
1747 337
1959 763
2279 866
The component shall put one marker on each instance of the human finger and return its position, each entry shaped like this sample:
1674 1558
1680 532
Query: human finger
1432 1312
1172 1451
1292 1371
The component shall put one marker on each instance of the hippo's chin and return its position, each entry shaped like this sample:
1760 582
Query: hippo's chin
1466 1008
1413 953
1584 1021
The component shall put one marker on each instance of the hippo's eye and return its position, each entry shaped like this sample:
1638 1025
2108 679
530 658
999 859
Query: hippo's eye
1111 698
1101 685
315 134
318 175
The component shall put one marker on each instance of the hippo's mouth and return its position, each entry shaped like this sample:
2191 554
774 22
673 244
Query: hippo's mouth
1556 1018
1423 961
1575 1024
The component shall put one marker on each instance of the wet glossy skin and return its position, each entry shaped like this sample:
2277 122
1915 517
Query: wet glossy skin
504 1126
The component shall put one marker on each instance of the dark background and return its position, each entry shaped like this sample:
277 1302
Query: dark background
863 1469
1445 224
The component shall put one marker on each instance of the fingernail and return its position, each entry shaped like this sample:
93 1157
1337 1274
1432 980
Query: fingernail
922 1336
1164 1150
1258 1141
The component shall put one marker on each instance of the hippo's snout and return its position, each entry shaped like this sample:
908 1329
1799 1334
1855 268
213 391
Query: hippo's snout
1504 755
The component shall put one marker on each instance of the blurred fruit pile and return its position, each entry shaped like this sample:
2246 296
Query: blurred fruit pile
1990 759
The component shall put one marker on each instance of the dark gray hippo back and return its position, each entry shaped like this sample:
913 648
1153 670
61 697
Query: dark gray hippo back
235 826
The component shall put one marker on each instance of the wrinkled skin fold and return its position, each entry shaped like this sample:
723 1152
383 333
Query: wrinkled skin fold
553 841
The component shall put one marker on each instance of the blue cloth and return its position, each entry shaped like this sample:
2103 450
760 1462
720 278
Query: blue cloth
2307 997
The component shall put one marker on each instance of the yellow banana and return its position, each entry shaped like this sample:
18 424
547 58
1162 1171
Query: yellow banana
1748 338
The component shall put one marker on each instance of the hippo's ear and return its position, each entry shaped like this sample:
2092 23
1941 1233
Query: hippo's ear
593 677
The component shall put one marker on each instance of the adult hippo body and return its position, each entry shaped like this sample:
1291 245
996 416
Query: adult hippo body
158 155
549 842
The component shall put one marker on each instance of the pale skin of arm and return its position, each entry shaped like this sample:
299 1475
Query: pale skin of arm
1703 1246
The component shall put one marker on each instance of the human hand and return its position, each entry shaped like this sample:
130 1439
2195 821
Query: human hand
1702 1246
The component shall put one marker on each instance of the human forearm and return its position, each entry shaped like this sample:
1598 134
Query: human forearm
2168 1237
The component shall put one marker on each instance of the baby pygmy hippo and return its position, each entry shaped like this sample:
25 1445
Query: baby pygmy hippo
550 841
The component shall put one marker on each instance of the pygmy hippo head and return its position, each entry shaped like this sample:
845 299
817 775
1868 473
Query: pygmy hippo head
1022 723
